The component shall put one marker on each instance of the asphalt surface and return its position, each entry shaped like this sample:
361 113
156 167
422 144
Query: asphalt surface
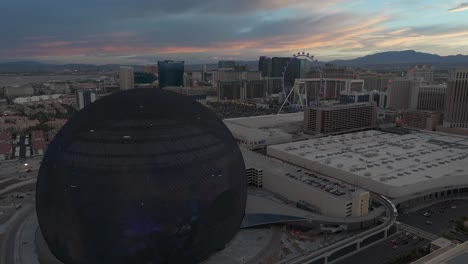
383 252
387 224
274 245
440 218
7 255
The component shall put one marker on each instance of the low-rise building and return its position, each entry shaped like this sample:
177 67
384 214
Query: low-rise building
310 191
38 145
5 145
427 120
17 123
412 166
84 98
13 92
5 150
38 98
257 132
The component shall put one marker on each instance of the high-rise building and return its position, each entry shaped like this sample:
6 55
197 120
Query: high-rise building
127 79
293 72
274 85
264 66
456 106
226 64
255 88
424 73
332 71
304 67
171 73
332 88
277 66
400 92
229 90
341 118
232 75
190 81
298 68
204 74
241 89
428 97
380 99
376 81
84 98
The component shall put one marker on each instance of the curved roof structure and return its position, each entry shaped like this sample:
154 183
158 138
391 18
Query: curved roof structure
141 176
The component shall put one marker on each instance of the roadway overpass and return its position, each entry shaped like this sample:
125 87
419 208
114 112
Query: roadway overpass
349 246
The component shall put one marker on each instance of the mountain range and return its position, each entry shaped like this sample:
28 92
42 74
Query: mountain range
390 60
404 59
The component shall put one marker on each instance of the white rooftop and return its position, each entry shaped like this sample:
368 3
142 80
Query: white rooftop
329 186
265 130
267 121
391 159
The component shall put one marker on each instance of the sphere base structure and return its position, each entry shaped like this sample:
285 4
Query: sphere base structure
141 176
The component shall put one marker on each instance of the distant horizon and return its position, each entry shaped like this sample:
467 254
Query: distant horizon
216 61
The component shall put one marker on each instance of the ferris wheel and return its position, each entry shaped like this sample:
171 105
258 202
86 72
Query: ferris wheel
299 91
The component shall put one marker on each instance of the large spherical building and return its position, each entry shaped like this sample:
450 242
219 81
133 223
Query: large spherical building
141 176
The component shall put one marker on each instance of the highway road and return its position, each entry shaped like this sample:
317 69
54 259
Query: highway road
7 255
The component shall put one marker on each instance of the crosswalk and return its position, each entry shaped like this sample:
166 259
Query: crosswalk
417 231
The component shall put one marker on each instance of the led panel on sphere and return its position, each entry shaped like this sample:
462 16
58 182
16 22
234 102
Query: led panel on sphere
141 176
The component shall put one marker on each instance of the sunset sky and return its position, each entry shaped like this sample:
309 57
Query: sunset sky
204 31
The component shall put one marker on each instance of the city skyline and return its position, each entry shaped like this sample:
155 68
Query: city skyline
207 31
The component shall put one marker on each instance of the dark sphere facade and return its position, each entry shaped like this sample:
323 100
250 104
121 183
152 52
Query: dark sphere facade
141 176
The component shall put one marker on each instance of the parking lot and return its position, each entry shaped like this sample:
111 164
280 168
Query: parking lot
438 219
400 244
